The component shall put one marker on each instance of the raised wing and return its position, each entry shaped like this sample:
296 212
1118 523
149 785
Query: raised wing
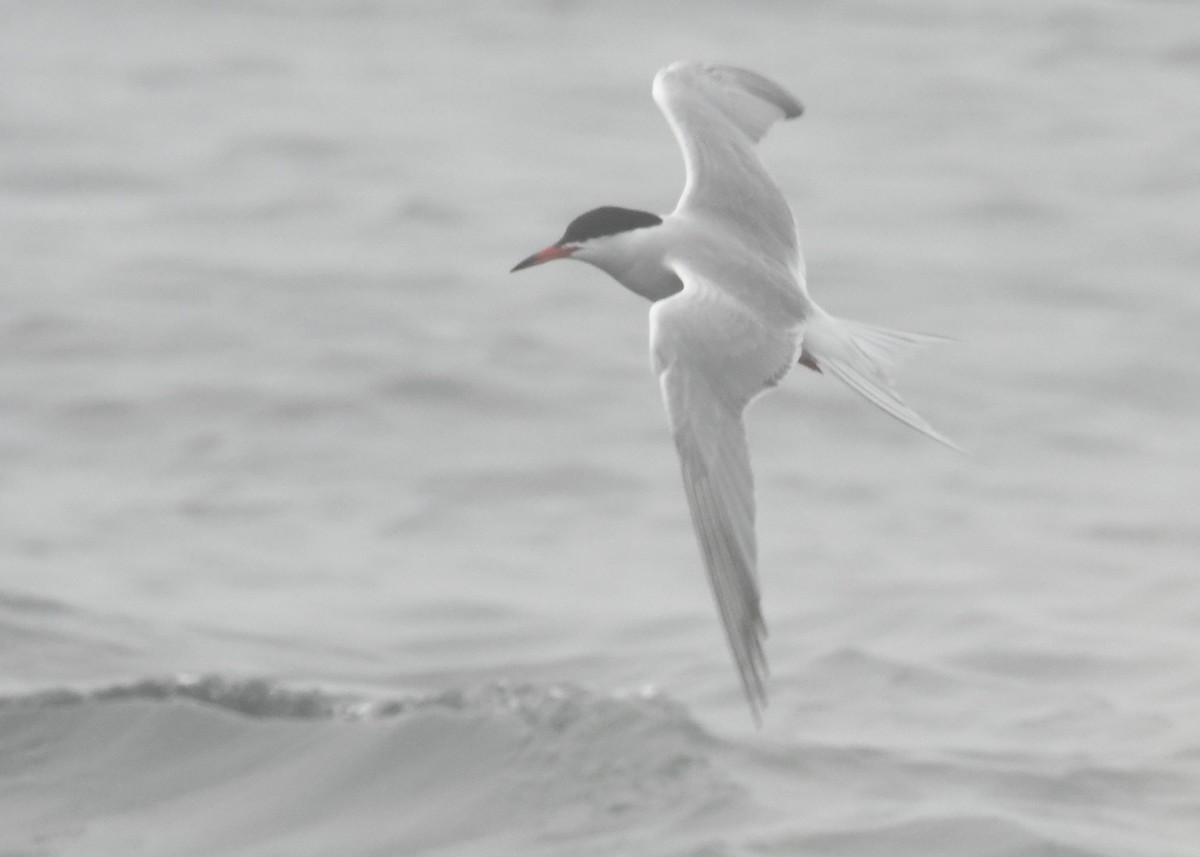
718 113
713 358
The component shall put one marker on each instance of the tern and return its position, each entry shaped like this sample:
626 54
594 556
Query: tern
730 316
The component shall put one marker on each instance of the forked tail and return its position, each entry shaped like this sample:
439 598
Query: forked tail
862 356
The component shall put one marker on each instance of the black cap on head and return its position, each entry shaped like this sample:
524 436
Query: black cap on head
607 220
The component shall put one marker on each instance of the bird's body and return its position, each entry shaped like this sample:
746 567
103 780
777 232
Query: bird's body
731 315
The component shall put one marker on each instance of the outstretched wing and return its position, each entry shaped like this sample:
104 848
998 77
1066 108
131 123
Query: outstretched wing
713 358
718 113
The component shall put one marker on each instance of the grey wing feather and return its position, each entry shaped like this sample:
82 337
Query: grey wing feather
761 87
718 113
713 357
750 102
718 483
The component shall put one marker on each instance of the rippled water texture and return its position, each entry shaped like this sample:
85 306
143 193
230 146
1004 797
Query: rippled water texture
321 534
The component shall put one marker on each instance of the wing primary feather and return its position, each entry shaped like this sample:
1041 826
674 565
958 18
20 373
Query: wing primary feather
719 489
761 87
713 356
718 113
730 576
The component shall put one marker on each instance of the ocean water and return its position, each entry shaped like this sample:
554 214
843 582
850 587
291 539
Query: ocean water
320 534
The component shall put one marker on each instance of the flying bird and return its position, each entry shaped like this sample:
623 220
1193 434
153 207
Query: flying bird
730 316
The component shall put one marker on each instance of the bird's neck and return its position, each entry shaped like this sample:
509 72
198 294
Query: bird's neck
637 260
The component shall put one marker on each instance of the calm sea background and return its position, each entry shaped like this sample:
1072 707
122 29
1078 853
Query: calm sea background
321 534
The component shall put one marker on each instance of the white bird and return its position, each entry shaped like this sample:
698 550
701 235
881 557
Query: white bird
731 315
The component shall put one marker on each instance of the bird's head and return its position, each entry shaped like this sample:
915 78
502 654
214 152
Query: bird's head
597 236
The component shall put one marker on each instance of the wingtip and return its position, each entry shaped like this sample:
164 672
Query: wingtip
757 716
754 685
702 75
756 701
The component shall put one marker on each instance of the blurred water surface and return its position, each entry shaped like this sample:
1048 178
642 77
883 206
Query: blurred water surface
273 413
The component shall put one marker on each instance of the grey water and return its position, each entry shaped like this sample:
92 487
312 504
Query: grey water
321 534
